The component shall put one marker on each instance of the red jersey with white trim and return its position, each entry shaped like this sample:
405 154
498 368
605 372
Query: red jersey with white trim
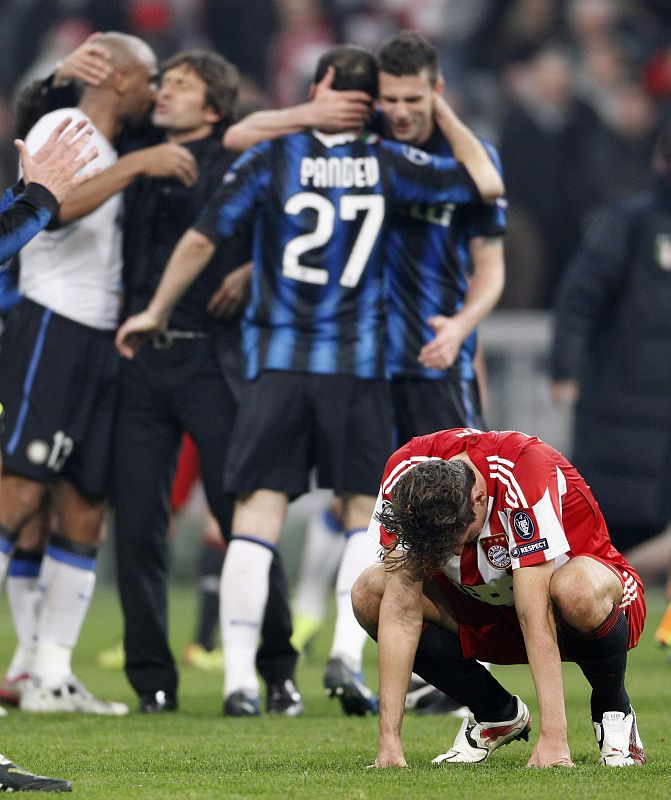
539 509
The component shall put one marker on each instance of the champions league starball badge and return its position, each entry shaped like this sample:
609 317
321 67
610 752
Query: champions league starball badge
523 525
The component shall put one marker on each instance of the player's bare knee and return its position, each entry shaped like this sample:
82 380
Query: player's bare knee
366 597
20 500
578 595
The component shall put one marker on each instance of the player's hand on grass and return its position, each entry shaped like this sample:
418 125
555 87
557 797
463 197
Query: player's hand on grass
335 111
57 164
135 331
550 754
390 754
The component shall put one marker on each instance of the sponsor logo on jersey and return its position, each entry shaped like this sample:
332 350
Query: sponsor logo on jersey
416 155
663 251
438 214
523 525
496 550
527 549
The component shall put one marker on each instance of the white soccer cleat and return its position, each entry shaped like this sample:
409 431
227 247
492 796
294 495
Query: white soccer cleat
618 740
476 741
70 697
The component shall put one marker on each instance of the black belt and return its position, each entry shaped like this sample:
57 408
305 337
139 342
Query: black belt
165 339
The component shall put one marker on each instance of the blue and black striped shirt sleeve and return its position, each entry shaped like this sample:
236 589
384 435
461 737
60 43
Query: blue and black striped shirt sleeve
24 216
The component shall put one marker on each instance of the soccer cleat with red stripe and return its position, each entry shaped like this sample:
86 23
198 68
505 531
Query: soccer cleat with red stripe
476 741
618 740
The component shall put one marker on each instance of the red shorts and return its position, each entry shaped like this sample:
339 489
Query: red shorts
493 633
186 474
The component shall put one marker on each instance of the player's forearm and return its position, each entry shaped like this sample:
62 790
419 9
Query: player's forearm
546 671
486 284
98 190
189 258
400 626
470 152
536 617
262 125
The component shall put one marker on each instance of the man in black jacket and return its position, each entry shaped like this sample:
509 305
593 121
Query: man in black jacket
612 336
184 380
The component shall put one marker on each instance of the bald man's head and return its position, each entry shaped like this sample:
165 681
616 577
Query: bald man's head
126 51
131 84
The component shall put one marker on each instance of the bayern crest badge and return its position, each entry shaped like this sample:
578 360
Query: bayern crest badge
496 550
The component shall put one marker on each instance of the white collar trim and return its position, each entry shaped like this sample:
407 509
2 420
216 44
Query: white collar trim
334 139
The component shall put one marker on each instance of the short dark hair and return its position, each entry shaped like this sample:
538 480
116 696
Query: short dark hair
220 77
429 511
356 69
408 53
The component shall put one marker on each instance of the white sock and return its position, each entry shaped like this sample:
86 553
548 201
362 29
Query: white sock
243 594
324 545
349 638
6 548
66 584
24 600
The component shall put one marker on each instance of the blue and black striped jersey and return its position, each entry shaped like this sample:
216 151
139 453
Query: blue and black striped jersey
427 263
319 206
23 214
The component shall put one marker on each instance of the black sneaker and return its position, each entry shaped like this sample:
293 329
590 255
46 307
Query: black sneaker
157 703
241 704
284 698
16 779
350 688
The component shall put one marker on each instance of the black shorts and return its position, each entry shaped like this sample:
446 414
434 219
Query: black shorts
59 384
423 405
289 422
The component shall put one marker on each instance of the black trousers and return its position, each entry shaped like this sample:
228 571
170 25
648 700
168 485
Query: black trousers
164 393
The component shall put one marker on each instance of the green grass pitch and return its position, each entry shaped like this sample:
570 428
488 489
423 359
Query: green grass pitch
196 753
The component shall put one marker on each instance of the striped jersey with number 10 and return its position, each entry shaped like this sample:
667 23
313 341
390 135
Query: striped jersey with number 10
320 205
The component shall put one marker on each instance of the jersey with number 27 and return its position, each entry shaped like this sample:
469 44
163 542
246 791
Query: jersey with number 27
540 509
318 206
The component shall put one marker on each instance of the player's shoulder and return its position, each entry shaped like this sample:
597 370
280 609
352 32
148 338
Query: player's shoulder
401 152
250 156
527 457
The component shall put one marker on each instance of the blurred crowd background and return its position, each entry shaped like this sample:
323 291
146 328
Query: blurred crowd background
571 91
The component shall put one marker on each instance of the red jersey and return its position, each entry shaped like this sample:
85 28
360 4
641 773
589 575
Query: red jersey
539 509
